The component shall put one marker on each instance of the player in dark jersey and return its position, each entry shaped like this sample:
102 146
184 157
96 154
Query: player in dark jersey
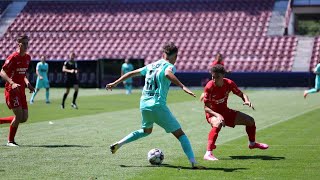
70 69
218 114
14 73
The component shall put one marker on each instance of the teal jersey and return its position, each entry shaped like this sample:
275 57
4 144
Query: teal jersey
317 70
125 68
156 85
43 69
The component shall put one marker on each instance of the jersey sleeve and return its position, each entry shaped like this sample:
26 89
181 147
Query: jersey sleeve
172 67
143 71
317 69
122 67
65 64
9 65
38 66
235 89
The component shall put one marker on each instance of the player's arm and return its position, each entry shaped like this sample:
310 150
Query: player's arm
64 69
169 74
244 97
208 110
5 77
123 77
37 71
29 86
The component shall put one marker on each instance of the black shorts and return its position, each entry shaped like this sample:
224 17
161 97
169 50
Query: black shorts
71 82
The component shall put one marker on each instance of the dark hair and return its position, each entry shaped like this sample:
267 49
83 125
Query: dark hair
22 37
169 48
219 55
218 69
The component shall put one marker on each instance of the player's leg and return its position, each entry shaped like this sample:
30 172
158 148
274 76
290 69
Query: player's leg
166 120
47 86
19 117
212 138
65 95
75 95
34 95
147 126
6 120
313 90
248 121
39 84
125 84
47 95
129 88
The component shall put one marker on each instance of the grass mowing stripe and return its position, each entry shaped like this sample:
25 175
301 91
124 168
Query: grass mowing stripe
77 147
282 160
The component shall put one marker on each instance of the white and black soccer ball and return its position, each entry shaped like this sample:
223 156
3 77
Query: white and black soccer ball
155 156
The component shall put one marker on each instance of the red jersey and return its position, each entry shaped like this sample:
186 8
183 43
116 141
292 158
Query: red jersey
16 67
215 62
217 97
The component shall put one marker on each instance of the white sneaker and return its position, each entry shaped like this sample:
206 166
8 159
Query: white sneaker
12 144
74 106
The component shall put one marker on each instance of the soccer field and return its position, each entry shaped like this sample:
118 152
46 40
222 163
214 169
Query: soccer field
74 144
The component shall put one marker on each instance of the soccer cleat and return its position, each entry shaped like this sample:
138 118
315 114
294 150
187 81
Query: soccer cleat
114 147
47 102
210 158
12 144
74 106
259 145
31 102
62 106
305 94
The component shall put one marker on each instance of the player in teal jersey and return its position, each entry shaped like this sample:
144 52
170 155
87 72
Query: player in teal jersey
158 77
42 79
317 82
125 68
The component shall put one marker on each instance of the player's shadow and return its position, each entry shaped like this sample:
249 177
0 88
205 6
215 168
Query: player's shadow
57 146
262 157
190 168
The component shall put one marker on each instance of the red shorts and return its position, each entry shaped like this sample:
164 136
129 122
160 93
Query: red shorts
229 116
15 98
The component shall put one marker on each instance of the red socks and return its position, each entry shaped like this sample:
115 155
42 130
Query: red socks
12 133
212 137
251 131
6 120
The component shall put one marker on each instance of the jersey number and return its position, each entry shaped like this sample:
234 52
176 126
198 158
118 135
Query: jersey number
152 81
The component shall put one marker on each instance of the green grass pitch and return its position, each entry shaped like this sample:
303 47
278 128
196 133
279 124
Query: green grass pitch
74 144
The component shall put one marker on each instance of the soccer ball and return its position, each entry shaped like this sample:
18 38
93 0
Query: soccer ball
155 156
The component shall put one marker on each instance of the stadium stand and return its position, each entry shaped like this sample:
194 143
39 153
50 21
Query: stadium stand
100 29
315 53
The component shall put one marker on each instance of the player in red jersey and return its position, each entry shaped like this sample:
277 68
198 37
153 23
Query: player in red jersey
218 114
14 73
218 60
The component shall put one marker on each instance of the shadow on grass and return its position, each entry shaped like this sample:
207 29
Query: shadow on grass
57 146
190 168
263 157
